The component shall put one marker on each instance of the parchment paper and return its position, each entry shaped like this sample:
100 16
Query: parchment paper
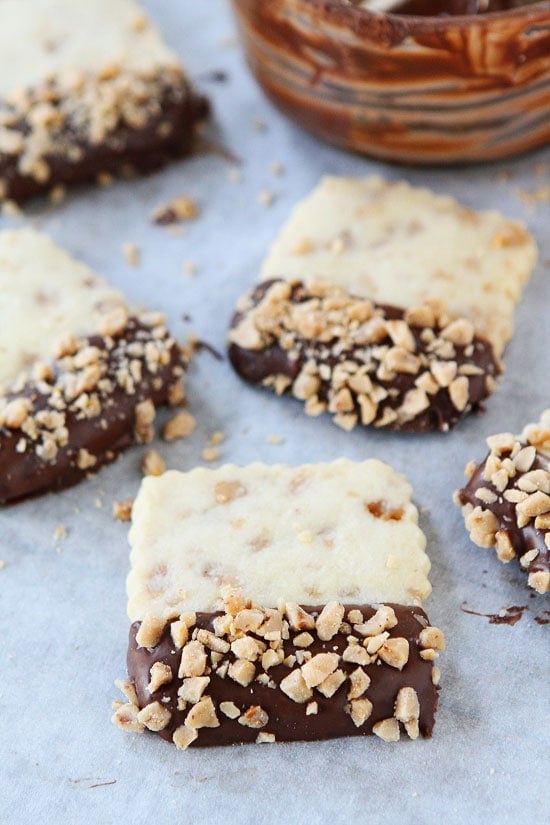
63 625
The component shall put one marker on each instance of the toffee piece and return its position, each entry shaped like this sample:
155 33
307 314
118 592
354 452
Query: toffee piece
87 89
506 501
81 372
277 604
367 364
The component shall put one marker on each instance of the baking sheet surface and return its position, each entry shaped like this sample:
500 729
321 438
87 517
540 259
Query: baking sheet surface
63 625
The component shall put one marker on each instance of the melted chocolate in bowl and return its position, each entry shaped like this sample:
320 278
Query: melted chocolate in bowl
412 89
431 8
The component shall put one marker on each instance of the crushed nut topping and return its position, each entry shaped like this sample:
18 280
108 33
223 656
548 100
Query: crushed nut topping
407 710
506 503
92 379
248 644
57 118
360 710
387 729
154 716
351 358
150 631
160 674
255 717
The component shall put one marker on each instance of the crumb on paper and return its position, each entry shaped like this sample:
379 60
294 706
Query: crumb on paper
216 438
276 168
266 197
504 175
176 230
122 510
105 179
152 464
190 268
131 253
532 198
182 208
234 175
228 41
180 426
58 194
273 438
60 532
210 454
2 564
259 124
98 503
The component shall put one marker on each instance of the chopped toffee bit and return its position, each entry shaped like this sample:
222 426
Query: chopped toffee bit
365 364
122 510
152 464
180 426
131 253
178 210
506 502
210 454
237 676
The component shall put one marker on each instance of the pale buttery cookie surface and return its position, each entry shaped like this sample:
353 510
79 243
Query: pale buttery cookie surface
80 371
251 594
86 87
276 533
400 245
506 502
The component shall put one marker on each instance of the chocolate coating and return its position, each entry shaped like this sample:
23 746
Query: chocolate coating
287 719
168 134
258 365
104 435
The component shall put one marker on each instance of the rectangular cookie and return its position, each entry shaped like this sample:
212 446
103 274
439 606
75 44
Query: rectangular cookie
278 603
506 500
396 244
81 372
87 88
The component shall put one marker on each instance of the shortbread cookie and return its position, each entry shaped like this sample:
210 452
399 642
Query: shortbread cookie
80 371
366 364
223 645
87 88
400 245
506 502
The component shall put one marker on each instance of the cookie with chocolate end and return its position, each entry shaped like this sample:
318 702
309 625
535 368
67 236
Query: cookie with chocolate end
506 502
399 245
249 626
87 89
81 372
366 364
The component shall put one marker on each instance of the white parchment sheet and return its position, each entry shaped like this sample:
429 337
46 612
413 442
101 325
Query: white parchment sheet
63 625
